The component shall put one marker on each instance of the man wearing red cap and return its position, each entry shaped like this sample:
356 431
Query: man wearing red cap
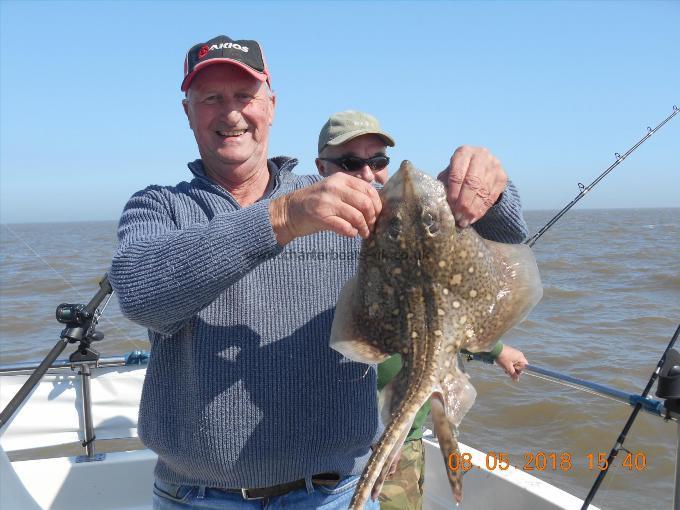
236 274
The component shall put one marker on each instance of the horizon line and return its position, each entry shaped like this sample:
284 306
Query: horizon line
4 223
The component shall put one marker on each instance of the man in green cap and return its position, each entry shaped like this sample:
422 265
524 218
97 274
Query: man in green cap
353 142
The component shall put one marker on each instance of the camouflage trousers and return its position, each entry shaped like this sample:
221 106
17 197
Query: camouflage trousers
404 489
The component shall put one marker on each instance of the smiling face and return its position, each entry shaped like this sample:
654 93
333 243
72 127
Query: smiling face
230 113
365 147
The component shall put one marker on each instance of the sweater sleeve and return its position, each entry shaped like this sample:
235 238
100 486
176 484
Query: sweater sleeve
504 222
164 275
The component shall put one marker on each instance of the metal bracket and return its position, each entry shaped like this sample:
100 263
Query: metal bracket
85 458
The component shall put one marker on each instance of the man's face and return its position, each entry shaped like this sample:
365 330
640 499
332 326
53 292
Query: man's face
229 112
365 147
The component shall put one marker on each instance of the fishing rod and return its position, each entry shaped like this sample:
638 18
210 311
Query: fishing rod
80 321
667 370
586 189
649 405
642 401
618 446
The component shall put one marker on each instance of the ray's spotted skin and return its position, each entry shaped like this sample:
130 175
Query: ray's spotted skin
427 289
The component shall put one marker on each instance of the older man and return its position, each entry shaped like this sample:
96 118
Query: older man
354 143
244 402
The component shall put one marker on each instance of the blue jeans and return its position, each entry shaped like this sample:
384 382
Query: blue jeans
168 496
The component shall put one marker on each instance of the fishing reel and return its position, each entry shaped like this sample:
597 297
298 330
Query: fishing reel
80 327
71 314
668 386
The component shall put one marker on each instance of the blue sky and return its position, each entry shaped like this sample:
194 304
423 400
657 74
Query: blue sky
90 103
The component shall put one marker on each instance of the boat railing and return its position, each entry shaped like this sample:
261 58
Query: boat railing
131 358
84 369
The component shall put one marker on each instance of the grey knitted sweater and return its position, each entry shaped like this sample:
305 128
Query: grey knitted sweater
242 389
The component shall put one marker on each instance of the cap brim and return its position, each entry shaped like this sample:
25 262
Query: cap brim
186 83
346 137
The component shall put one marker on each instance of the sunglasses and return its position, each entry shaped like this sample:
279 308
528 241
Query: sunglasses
354 163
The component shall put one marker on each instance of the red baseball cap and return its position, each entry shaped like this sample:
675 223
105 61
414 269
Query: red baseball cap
222 50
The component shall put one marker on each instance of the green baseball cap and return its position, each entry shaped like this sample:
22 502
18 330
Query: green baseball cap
344 126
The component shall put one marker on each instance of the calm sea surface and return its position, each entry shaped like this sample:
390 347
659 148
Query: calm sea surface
611 303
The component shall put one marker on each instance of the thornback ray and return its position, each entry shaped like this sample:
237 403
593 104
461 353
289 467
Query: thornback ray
426 289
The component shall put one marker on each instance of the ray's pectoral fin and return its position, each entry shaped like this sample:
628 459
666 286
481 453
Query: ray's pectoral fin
520 291
522 279
456 393
350 334
450 403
